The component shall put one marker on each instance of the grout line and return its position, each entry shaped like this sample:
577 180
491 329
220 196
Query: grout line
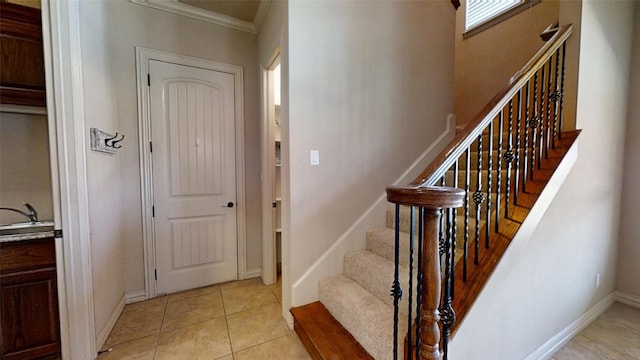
164 314
226 321
264 342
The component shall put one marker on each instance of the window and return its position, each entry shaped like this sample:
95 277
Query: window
482 14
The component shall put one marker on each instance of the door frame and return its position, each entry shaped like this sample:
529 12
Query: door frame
269 262
143 56
67 144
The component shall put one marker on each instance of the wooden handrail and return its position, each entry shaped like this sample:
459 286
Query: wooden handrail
474 128
435 197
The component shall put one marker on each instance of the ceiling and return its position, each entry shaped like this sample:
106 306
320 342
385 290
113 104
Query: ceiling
244 15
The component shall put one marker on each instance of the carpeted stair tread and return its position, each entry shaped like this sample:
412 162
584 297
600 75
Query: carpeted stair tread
375 274
365 316
381 241
323 336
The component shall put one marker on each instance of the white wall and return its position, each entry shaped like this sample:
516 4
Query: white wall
553 283
109 31
629 250
24 166
106 213
485 61
370 86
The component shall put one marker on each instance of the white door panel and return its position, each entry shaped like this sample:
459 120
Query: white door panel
194 176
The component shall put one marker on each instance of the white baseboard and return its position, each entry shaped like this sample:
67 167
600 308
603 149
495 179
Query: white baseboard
305 289
253 273
135 296
559 340
628 299
108 327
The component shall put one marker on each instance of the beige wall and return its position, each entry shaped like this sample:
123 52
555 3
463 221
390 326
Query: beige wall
629 250
24 166
109 31
370 87
553 283
484 62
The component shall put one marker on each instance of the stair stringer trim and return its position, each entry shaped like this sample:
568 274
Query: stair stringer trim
474 318
304 290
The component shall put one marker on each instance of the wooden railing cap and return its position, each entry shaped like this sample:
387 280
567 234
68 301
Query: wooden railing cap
426 196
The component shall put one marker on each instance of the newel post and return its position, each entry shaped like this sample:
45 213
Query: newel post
432 200
431 285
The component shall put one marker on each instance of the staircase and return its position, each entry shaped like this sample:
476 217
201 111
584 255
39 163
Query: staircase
502 161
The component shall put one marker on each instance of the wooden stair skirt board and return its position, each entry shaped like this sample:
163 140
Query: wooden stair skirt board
323 336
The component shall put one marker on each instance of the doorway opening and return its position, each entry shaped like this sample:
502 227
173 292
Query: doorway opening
272 174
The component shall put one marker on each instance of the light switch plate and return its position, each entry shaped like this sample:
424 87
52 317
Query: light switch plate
314 157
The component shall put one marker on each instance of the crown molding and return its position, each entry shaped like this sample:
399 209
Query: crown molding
176 7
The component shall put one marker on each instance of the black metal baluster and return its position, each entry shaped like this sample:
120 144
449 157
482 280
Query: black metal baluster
478 197
543 112
555 99
396 290
499 185
508 158
447 315
487 228
466 214
410 299
548 117
564 54
533 124
516 181
442 239
454 232
525 157
419 276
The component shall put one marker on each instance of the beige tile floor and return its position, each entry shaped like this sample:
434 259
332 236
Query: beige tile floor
615 335
242 320
234 321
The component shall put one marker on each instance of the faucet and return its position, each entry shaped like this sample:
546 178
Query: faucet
32 215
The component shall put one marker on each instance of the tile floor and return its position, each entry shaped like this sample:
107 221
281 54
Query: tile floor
234 321
242 320
615 335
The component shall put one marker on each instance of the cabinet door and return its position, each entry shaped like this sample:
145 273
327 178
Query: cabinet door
29 309
22 80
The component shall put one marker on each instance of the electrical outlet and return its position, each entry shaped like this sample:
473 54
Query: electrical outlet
597 280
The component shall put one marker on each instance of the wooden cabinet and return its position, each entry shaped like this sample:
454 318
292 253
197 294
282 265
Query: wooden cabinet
29 300
22 80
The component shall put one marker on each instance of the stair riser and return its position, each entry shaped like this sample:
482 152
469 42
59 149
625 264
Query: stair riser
375 274
382 243
368 319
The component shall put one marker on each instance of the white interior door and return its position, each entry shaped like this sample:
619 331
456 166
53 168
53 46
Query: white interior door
194 176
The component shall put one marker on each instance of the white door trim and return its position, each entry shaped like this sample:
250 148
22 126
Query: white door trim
143 56
269 262
65 108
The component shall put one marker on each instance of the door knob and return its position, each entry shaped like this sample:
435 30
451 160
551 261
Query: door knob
229 204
